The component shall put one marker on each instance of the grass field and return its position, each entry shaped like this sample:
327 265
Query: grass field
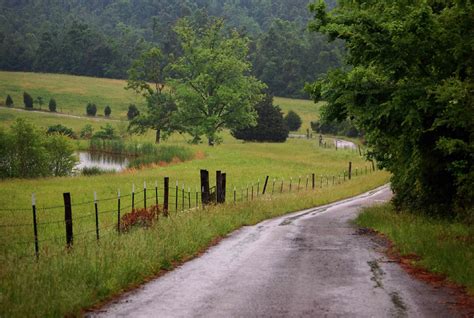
72 93
443 247
97 271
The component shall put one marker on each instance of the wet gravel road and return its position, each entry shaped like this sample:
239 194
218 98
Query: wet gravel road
312 263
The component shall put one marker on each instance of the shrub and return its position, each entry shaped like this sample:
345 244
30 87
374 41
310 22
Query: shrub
106 132
91 109
94 171
270 124
107 111
139 218
343 128
60 129
87 131
293 121
52 105
27 100
132 112
9 101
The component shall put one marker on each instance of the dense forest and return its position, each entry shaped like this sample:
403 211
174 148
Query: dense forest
102 38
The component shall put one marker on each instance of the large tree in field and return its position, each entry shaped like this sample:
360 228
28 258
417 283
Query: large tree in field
146 78
211 80
410 89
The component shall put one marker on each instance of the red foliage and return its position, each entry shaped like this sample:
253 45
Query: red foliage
139 217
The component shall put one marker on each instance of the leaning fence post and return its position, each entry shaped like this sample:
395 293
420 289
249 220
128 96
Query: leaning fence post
265 185
235 195
307 181
144 194
258 186
96 216
350 170
281 188
118 211
273 186
313 180
68 218
252 191
166 196
35 225
291 181
299 181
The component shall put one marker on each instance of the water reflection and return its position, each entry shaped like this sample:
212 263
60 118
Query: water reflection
101 160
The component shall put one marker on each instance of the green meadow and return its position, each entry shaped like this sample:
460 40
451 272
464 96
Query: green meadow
99 271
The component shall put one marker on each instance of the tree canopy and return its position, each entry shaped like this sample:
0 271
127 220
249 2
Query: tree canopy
410 89
210 80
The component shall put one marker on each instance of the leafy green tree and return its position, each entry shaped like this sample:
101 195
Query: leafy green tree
107 111
293 121
410 90
91 109
61 155
52 105
9 101
132 112
212 86
27 100
146 78
270 124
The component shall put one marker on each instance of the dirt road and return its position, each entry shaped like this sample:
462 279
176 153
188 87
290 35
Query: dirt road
312 263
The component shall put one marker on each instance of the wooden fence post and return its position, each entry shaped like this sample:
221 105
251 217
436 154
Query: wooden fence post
68 218
182 198
350 170
273 186
166 195
118 211
144 194
265 185
156 193
35 225
313 180
177 197
218 186
205 191
96 216
224 187
133 196
299 181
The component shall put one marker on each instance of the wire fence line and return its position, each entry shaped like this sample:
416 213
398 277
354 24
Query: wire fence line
94 218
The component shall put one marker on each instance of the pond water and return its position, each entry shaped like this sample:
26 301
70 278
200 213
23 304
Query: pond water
101 160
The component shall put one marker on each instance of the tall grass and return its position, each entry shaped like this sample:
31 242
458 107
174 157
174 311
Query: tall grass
444 247
64 282
145 153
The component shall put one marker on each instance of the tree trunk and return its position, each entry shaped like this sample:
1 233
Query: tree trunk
158 135
210 141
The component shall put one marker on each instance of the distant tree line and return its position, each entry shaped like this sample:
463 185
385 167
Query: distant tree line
103 38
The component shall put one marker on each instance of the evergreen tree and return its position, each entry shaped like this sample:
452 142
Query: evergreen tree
107 111
91 109
9 101
27 100
52 105
270 124
293 121
132 112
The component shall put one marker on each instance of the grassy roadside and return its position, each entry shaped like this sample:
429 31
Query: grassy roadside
67 282
444 247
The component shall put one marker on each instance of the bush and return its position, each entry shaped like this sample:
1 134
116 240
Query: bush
91 109
60 129
270 124
343 128
52 105
28 153
293 121
9 101
94 171
87 131
107 132
132 112
107 111
27 100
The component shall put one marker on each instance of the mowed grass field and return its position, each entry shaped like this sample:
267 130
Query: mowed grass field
72 93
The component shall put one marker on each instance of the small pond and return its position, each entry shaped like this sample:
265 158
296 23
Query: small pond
103 161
